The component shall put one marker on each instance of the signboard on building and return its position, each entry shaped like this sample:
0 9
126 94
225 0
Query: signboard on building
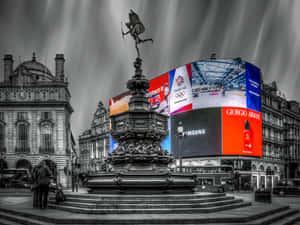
202 95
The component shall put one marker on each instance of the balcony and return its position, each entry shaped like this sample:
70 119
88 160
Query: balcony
49 150
22 150
273 140
272 124
3 149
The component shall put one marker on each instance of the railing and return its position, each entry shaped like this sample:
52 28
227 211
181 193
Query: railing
49 150
272 124
273 140
22 150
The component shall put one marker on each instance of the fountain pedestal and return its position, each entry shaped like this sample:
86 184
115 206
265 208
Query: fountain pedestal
139 164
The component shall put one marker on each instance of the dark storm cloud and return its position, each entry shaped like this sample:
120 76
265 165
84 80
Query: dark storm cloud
99 61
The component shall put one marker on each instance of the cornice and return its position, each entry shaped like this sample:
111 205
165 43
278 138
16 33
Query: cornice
37 104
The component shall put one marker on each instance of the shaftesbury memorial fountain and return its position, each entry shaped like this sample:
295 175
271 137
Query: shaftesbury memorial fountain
139 164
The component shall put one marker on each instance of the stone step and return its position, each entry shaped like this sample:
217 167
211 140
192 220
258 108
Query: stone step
147 205
278 217
7 218
161 219
148 201
291 220
118 197
151 211
8 222
287 217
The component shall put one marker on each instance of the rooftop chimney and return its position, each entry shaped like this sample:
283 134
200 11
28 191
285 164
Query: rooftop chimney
59 66
8 66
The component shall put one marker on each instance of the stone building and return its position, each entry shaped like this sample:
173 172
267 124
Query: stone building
281 138
94 144
35 116
281 145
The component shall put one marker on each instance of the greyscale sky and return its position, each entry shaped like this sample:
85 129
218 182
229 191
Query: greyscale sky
99 61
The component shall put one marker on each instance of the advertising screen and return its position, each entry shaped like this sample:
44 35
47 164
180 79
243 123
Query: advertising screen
253 87
218 83
181 89
158 97
201 94
202 133
119 103
158 94
113 144
225 83
242 131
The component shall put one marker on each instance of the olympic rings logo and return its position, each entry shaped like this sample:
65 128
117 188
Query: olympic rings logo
180 94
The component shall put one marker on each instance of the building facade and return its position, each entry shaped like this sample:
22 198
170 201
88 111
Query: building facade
94 143
281 145
35 116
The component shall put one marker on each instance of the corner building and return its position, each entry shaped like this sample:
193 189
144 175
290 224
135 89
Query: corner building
281 144
94 144
35 116
231 120
281 130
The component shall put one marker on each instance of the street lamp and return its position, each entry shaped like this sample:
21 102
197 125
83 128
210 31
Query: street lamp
180 135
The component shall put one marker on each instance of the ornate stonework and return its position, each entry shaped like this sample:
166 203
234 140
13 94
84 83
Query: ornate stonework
35 108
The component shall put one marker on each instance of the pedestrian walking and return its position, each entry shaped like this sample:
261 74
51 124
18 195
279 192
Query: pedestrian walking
44 175
75 178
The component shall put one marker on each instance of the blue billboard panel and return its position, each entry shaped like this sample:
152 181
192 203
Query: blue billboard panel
219 83
253 87
113 144
166 144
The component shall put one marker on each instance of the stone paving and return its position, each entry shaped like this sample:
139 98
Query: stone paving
17 201
24 204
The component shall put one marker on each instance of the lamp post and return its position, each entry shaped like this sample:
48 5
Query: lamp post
180 138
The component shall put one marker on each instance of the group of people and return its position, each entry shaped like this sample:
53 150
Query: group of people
41 176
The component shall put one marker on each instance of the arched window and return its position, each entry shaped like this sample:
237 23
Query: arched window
46 139
262 168
23 138
24 164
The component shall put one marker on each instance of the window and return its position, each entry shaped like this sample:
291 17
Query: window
2 116
46 115
22 116
23 136
46 139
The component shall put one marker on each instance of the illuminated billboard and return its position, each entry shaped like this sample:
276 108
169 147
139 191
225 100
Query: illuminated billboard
181 89
119 103
158 94
242 131
199 94
225 83
218 131
202 132
218 83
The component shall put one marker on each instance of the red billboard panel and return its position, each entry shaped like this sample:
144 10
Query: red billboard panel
242 131
158 94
